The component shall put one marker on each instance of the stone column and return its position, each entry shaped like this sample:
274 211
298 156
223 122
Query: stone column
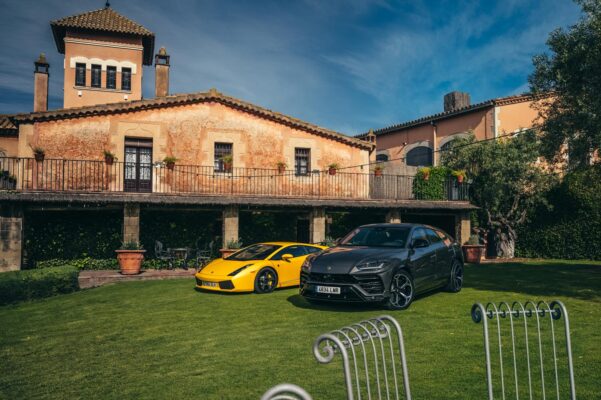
230 224
131 222
318 225
393 217
11 237
463 227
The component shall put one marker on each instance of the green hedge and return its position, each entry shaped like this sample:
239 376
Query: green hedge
33 284
572 228
90 264
434 187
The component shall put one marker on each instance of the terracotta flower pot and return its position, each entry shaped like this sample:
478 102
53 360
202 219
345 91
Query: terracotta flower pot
460 179
109 160
130 261
227 166
281 169
378 172
472 253
39 157
225 253
426 176
332 171
170 165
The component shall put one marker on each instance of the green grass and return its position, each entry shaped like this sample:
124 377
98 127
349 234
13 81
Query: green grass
163 339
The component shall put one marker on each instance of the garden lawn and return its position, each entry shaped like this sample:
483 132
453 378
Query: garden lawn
165 340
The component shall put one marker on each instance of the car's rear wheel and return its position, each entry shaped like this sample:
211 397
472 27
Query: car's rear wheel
456 279
266 281
402 291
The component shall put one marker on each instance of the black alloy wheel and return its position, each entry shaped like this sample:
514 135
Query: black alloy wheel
402 291
456 279
266 281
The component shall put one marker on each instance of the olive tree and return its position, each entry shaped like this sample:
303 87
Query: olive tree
571 69
506 182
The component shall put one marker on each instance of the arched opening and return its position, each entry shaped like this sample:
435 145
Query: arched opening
419 156
381 158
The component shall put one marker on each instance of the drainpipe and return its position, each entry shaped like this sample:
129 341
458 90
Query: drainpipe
434 143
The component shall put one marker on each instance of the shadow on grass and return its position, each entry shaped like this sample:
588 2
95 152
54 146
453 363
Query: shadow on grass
299 301
581 281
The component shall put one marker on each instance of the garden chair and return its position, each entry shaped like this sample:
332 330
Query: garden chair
373 361
161 254
530 354
203 254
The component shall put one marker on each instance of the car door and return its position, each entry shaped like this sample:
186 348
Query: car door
422 260
289 270
443 263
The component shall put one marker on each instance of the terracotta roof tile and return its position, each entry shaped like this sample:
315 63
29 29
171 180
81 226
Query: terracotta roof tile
103 20
446 114
212 96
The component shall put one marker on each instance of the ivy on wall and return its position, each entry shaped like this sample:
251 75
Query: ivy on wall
429 183
71 234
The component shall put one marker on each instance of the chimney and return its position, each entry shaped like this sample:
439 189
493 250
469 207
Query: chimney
161 73
40 84
456 100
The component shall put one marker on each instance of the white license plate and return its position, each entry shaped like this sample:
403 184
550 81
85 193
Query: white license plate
209 284
328 289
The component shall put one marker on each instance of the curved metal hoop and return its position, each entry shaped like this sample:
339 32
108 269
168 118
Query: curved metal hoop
542 313
369 358
286 391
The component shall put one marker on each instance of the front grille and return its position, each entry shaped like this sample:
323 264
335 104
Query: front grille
226 285
369 283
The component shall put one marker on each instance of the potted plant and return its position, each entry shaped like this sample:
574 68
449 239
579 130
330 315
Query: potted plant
170 162
332 168
473 250
227 160
39 154
230 248
130 257
425 171
281 167
378 170
109 157
460 175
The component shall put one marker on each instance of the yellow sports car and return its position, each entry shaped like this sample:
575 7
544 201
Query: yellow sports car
261 267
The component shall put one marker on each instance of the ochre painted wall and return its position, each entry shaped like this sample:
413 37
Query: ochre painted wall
9 146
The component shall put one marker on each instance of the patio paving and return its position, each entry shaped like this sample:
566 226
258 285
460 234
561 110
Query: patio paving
89 279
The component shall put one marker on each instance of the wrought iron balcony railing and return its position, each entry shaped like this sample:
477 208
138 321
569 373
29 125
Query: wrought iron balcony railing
59 175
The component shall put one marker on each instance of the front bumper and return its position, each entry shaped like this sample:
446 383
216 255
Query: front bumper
363 288
221 285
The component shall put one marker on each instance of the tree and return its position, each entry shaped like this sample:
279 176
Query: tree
572 70
506 182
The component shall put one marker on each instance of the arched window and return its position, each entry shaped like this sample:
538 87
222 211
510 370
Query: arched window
381 158
446 146
419 156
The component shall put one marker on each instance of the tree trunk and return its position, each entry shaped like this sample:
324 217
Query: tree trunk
504 237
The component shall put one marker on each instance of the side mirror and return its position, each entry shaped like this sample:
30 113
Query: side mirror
287 257
419 243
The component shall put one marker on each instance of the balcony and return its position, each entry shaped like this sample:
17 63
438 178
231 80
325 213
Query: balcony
26 175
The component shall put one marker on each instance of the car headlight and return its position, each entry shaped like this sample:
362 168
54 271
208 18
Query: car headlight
306 267
371 266
236 272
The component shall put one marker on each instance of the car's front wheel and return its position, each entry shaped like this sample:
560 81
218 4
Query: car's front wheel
266 281
402 291
456 279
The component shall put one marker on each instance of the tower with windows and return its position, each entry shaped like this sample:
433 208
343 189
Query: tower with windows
104 57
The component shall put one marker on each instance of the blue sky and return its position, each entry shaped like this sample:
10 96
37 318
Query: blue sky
348 65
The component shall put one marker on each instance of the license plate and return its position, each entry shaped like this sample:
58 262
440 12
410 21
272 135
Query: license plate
209 284
328 289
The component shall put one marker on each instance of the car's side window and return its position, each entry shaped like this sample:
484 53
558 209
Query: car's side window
419 234
432 236
311 249
443 236
295 251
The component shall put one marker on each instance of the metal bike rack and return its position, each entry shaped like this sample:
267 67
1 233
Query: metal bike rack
286 391
532 329
370 350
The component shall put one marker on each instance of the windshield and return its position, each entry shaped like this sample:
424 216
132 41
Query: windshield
254 252
377 237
